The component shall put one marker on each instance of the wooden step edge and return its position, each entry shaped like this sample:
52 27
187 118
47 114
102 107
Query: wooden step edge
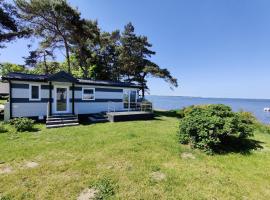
61 125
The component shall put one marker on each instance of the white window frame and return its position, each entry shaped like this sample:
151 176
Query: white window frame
30 92
94 93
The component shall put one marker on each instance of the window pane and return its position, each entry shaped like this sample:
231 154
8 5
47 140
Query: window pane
61 99
132 96
88 94
132 99
35 92
126 98
87 91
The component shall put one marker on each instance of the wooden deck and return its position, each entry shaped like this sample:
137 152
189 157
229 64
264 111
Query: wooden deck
128 116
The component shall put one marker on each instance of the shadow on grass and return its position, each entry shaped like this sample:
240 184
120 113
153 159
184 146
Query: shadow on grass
170 113
34 130
238 145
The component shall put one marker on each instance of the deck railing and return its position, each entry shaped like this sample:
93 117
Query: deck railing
135 106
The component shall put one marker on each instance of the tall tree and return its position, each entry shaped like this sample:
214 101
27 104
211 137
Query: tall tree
85 42
11 26
135 60
52 21
108 55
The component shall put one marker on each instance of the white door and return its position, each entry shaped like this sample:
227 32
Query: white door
130 99
61 99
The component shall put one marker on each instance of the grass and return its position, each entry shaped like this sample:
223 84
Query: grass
3 101
74 158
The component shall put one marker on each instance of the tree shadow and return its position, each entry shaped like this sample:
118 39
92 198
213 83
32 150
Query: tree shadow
170 113
234 144
34 129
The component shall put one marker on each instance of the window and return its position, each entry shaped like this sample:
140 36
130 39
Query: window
88 94
34 92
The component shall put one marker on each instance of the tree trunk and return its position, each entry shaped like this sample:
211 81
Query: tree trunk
45 64
67 56
143 91
143 84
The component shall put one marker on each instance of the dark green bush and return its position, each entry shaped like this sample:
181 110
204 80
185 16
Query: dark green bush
206 127
22 124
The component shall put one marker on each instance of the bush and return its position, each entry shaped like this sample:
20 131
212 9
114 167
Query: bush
105 187
22 124
3 128
206 127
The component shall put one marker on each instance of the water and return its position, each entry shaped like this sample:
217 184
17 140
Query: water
254 106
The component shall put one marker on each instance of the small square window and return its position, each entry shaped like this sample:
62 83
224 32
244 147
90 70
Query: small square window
34 92
88 94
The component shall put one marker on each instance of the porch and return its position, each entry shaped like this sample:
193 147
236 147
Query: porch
131 111
129 116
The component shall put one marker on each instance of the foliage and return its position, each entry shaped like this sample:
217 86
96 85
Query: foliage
5 198
135 60
35 57
84 41
206 127
108 56
51 68
105 187
3 129
22 124
51 20
11 26
6 68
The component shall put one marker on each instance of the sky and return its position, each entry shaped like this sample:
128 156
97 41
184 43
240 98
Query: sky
214 48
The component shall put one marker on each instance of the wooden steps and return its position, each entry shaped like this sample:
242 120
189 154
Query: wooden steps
56 121
99 117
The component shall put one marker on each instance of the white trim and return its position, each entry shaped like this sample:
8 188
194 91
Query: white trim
55 98
88 88
30 92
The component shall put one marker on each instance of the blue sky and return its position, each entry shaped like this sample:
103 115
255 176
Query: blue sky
215 48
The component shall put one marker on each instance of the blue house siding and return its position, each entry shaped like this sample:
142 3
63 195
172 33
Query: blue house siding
22 106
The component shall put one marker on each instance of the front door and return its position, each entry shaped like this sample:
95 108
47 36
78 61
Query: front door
130 99
61 100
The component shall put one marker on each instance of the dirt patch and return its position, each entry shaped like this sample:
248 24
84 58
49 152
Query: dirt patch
88 194
187 156
5 170
158 176
31 164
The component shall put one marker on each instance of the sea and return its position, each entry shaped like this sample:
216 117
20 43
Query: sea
255 106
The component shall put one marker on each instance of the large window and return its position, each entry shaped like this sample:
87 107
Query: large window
88 94
34 92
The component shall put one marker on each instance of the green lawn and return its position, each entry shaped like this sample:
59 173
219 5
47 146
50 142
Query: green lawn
71 159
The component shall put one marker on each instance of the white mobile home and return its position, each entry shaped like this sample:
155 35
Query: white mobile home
61 93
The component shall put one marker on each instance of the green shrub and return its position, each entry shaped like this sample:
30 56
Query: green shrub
105 187
206 127
3 128
22 124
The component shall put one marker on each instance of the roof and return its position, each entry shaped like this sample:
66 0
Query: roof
25 77
65 77
104 83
